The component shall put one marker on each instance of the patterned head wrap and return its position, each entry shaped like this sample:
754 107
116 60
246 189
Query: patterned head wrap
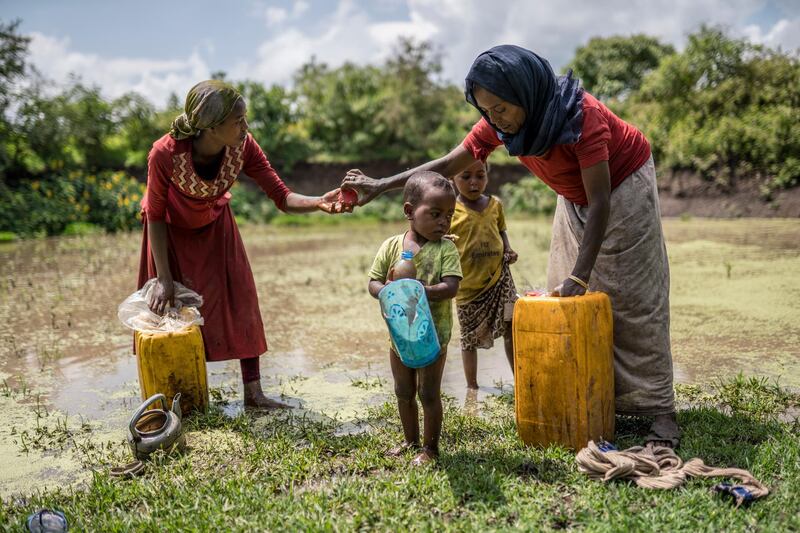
207 105
553 104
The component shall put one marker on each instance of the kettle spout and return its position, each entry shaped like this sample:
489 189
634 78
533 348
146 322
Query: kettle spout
176 405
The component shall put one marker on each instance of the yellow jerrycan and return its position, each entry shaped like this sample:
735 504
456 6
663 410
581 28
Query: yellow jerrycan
172 363
564 369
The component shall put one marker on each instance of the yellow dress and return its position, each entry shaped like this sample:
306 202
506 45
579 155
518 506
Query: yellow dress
481 248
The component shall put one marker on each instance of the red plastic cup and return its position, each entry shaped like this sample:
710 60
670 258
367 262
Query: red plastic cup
535 293
348 196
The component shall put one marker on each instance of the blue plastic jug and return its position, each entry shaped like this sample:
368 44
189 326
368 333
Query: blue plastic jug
407 314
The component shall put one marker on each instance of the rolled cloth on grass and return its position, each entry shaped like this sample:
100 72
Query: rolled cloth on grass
207 105
658 467
632 269
553 104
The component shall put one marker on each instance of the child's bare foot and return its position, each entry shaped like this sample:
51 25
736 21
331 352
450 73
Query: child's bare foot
254 397
425 456
471 402
397 451
473 385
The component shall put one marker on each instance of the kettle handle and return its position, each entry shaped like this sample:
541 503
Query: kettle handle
140 411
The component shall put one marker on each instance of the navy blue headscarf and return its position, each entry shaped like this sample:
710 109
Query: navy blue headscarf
553 104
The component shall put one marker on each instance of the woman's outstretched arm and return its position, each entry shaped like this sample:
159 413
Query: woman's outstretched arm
368 188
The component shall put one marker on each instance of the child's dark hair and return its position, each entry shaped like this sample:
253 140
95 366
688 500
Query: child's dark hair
420 181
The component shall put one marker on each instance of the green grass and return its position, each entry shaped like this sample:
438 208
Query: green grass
284 472
82 228
7 236
277 473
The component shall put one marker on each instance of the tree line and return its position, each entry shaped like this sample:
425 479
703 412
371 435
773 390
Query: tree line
723 107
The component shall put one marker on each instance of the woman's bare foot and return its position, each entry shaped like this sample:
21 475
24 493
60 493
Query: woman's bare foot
399 450
254 397
425 456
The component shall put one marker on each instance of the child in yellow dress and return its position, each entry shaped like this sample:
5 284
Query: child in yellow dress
486 294
429 201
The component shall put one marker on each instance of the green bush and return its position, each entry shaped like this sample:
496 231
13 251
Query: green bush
109 201
385 208
249 203
82 228
725 108
40 206
113 200
528 196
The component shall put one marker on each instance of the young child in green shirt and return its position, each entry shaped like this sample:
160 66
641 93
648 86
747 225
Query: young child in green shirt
429 202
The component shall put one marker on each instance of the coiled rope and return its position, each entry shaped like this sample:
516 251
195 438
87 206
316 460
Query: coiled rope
659 467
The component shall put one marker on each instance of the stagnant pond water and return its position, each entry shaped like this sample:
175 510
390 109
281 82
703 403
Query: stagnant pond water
66 366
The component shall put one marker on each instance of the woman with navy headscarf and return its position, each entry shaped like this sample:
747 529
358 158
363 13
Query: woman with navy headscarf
607 227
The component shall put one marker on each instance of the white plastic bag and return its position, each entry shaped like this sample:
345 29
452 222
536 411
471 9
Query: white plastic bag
135 314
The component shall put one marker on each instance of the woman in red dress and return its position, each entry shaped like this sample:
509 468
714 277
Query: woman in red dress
190 235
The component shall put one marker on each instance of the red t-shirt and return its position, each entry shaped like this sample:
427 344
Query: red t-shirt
604 137
178 195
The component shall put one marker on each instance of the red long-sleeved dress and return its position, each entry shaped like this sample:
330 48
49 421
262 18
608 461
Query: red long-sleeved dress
205 250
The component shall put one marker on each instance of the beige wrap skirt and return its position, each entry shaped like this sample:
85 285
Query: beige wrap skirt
632 268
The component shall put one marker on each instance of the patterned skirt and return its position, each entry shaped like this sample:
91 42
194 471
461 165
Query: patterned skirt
488 316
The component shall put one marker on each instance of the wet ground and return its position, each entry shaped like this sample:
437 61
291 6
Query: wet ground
67 372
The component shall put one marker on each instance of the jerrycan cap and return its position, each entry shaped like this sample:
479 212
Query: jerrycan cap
406 254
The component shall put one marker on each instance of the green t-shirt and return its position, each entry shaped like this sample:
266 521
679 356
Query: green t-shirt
434 261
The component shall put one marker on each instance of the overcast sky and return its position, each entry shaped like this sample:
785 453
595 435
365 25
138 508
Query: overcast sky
160 47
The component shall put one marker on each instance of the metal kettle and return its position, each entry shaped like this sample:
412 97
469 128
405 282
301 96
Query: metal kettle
157 429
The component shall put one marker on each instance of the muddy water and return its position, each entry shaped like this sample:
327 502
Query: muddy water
67 377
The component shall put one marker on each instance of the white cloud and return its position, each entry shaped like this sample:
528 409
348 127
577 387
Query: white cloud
155 79
299 8
464 28
349 34
461 29
555 29
785 34
275 15
345 36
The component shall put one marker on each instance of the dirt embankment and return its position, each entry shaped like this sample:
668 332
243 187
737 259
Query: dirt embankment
687 193
313 178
